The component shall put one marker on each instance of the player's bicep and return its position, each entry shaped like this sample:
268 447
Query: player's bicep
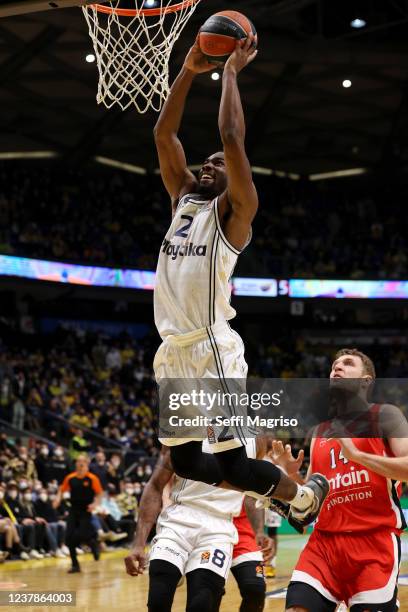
173 166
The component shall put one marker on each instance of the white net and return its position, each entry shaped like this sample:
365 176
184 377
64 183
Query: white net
132 50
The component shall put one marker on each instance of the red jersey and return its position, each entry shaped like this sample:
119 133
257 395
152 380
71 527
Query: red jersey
246 535
359 499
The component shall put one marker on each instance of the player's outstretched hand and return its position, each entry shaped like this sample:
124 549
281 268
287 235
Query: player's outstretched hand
196 60
245 52
282 456
135 562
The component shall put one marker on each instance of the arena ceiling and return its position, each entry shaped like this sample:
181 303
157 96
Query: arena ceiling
299 116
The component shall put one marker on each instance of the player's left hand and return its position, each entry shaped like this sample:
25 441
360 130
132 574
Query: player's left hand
268 547
282 456
348 448
245 52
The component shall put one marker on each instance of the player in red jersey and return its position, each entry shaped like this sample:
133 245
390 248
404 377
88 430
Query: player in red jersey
353 554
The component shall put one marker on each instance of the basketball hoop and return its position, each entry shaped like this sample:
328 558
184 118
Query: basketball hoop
132 48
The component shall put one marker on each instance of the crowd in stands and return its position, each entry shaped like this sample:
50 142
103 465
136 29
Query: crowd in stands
31 527
82 393
112 218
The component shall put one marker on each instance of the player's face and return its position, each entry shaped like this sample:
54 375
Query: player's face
212 178
347 374
347 366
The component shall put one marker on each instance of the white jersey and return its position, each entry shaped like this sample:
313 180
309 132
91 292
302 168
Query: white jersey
193 271
214 500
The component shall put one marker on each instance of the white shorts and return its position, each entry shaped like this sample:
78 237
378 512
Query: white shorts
215 352
192 539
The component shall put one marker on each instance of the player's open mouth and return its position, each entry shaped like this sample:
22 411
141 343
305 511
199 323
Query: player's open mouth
206 177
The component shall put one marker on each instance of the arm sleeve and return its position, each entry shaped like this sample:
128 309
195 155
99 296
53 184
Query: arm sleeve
65 484
96 484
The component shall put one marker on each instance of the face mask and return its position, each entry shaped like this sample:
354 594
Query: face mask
116 464
13 494
38 487
23 457
140 472
43 497
129 491
45 452
23 485
137 491
58 452
28 496
1 494
66 495
148 471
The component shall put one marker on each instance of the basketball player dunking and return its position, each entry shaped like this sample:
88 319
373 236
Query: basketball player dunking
353 554
211 225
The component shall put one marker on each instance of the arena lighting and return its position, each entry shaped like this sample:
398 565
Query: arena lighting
114 163
150 3
337 174
347 83
260 170
90 58
358 23
28 155
215 76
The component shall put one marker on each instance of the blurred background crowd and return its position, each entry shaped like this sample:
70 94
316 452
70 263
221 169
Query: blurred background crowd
300 230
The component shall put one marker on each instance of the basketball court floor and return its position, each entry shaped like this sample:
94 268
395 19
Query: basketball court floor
104 586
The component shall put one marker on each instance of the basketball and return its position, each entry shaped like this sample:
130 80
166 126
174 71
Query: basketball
218 35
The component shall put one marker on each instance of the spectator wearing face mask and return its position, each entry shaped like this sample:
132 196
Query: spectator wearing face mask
22 466
115 471
127 502
8 527
29 514
54 528
41 460
140 473
100 468
25 524
57 466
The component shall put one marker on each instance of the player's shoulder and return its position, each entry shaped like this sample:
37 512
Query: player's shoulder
92 476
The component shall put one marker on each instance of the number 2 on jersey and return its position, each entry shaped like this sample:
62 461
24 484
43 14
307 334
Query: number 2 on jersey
333 463
183 231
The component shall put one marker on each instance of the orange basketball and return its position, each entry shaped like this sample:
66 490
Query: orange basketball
218 35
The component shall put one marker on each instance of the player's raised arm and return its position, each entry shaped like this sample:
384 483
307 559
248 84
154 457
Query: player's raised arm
177 178
149 509
238 205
